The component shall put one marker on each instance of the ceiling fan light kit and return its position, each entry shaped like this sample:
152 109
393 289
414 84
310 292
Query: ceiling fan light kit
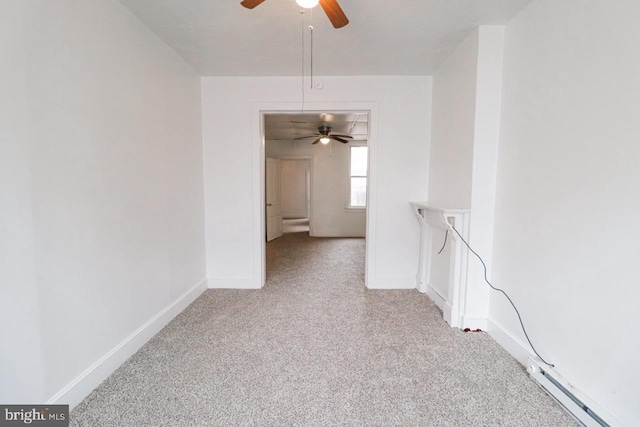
307 4
325 136
331 8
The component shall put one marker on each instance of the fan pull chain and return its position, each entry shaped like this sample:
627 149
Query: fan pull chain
311 72
302 55
311 41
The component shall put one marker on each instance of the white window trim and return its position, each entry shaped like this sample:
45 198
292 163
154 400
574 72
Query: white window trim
349 208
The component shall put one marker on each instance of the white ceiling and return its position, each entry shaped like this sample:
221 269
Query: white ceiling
400 37
286 127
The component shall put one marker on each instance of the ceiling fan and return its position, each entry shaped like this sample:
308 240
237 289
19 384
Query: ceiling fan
325 136
331 8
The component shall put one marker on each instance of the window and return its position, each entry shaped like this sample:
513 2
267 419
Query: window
358 177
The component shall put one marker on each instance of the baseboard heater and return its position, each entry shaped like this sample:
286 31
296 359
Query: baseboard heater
561 390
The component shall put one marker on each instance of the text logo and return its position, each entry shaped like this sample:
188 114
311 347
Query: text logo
34 415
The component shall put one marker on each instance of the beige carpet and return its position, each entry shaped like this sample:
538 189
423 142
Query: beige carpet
315 348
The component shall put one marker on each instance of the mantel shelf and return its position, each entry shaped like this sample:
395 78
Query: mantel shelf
436 216
437 208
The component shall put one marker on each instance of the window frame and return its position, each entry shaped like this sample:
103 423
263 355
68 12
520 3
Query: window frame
349 207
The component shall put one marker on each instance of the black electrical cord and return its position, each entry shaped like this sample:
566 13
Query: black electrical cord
499 290
446 234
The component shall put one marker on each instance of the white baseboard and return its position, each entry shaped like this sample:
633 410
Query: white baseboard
522 353
392 283
447 312
518 349
335 234
80 387
474 323
440 302
233 283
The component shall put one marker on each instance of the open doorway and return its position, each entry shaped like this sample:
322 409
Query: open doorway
296 194
316 175
287 194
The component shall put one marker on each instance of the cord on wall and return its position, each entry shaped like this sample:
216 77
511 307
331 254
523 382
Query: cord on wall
446 234
302 55
484 266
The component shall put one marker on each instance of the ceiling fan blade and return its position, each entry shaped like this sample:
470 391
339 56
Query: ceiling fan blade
337 138
342 136
334 13
308 136
316 141
250 4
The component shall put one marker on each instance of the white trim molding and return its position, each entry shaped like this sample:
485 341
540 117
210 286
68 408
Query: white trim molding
80 387
258 156
392 283
454 300
233 283
553 380
348 207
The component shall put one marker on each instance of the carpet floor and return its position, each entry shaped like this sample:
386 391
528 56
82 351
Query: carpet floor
312 348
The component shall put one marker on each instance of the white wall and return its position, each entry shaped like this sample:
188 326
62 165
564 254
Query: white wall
296 187
485 158
277 149
330 194
402 134
21 364
104 224
453 127
466 123
566 229
329 187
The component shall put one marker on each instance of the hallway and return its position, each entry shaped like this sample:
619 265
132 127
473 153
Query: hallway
314 347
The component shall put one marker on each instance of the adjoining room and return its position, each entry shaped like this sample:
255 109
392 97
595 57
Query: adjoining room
315 184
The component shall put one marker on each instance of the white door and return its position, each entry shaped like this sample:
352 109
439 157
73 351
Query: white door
295 188
273 199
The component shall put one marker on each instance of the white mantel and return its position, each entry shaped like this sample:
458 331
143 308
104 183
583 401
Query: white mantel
443 277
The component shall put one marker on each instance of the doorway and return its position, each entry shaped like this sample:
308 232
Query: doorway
296 194
287 195
332 186
316 183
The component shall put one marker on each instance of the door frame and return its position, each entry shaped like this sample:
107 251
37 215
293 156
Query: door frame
258 175
278 165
